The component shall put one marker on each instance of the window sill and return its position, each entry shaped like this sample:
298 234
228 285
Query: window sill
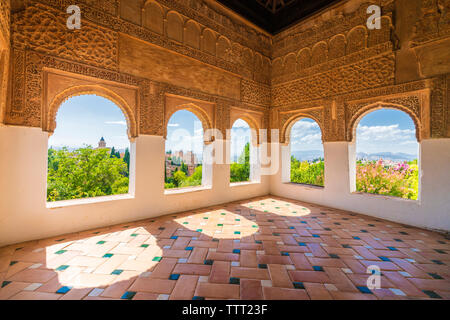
186 190
85 201
385 197
244 183
308 186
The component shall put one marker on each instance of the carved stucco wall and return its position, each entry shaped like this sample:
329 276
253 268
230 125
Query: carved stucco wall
333 69
324 68
175 56
4 54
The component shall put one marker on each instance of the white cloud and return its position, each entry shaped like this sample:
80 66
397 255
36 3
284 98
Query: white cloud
239 123
384 133
122 123
173 125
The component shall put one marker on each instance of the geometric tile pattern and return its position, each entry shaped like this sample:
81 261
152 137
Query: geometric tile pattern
262 248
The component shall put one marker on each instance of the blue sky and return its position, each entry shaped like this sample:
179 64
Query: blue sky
184 132
85 119
386 130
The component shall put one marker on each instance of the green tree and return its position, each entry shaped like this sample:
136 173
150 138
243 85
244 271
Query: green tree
126 159
184 168
179 177
240 171
84 173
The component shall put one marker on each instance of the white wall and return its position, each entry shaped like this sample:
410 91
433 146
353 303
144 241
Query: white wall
24 214
431 211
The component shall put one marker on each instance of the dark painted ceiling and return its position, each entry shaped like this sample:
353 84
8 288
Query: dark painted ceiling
276 15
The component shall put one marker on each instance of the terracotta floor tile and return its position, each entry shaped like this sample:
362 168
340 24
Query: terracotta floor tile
215 290
250 273
279 276
271 293
317 291
32 295
192 269
184 288
220 272
164 258
251 289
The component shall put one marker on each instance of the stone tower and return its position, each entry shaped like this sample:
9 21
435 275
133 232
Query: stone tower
102 143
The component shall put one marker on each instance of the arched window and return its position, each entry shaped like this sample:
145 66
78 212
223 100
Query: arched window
89 152
307 158
240 147
184 151
387 154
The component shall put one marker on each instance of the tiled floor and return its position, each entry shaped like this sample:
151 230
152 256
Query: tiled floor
265 248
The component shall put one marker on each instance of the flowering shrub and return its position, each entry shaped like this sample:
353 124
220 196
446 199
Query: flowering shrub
379 177
307 173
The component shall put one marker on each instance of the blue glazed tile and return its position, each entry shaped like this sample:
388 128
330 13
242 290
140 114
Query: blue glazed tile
234 280
13 263
404 233
236 251
174 276
161 228
237 232
5 283
61 268
385 258
302 244
275 234
101 242
316 236
60 251
398 240
357 238
334 256
440 251
327 229
174 237
134 235
303 221
128 295
347 246
291 227
432 294
298 285
258 241
435 276
262 266
364 290
64 289
208 262
318 268
284 253
117 271
108 255
392 248
198 298
199 230
189 248
364 231
438 262
144 245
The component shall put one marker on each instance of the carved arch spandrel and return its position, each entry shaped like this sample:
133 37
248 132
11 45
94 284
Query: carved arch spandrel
417 106
251 119
50 124
202 110
290 119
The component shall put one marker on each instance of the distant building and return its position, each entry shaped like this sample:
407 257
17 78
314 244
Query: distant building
173 162
102 143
